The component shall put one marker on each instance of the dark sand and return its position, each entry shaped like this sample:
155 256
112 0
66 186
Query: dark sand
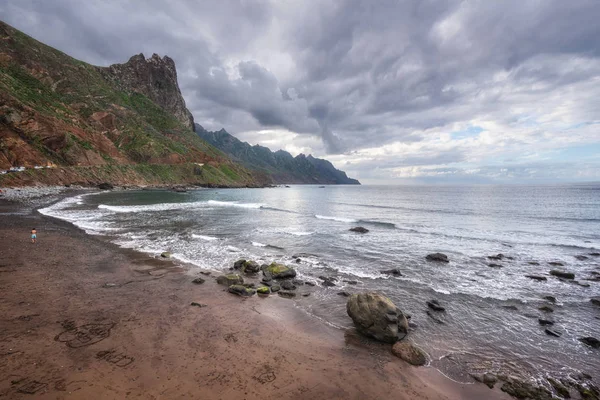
65 335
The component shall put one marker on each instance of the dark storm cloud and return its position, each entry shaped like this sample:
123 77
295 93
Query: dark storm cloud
358 74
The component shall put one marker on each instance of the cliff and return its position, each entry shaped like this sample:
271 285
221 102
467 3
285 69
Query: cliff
280 165
155 78
93 124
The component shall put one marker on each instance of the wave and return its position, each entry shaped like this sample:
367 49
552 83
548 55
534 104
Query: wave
257 244
234 204
204 237
352 220
277 209
151 207
339 219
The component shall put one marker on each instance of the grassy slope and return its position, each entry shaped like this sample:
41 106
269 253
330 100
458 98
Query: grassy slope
63 93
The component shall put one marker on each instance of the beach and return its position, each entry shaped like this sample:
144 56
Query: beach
82 318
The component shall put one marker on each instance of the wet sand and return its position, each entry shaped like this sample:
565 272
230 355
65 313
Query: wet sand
81 318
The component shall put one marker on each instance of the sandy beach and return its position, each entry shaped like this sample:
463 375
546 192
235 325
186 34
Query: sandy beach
82 318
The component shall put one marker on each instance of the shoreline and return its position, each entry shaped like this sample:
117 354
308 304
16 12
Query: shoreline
233 348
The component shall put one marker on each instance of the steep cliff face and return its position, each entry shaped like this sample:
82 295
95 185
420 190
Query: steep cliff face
280 165
155 78
92 123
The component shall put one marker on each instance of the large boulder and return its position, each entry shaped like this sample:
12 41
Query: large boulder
230 279
437 257
377 316
409 353
247 266
278 271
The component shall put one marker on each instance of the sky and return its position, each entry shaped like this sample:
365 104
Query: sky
390 91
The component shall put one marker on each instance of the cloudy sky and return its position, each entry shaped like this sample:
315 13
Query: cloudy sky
392 91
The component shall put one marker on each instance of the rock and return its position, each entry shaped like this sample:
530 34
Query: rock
394 271
437 257
511 307
328 278
305 294
494 265
537 278
278 271
487 379
230 279
286 294
207 273
410 353
545 322
198 304
298 282
595 254
263 290
105 186
248 267
250 285
562 274
287 285
595 301
581 257
198 281
165 254
241 290
560 388
556 264
434 317
275 288
523 390
359 229
377 316
344 293
582 284
590 341
327 281
351 282
497 257
552 332
551 299
309 283
435 305
533 263
546 308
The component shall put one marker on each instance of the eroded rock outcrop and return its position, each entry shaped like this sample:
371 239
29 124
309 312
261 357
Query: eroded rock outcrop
377 316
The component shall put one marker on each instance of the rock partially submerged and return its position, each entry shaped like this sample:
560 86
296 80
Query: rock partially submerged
359 229
524 390
286 294
435 305
410 353
241 290
488 379
230 279
165 254
246 266
537 278
497 257
198 281
327 281
393 271
492 265
377 316
595 301
545 322
590 341
552 332
562 274
437 257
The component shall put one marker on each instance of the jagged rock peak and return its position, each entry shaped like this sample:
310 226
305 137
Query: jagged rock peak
156 78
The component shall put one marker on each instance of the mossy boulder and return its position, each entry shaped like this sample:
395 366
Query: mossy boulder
241 290
247 266
525 390
263 290
278 271
230 279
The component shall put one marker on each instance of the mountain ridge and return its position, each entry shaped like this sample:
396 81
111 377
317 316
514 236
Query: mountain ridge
280 165
126 123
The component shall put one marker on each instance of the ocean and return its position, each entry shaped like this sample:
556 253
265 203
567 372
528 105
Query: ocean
491 318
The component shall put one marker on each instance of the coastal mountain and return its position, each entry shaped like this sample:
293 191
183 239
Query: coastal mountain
67 121
280 165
